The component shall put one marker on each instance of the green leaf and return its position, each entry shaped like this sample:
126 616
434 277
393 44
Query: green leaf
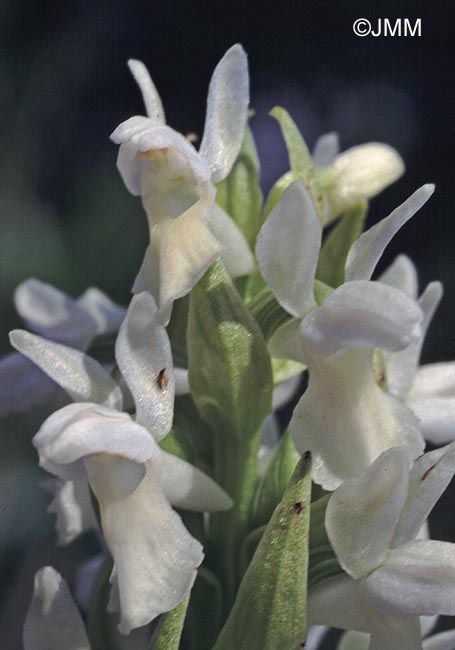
270 609
240 193
271 486
231 383
168 632
336 246
321 291
267 312
204 612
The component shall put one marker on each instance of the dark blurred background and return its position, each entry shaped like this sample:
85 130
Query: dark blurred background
66 217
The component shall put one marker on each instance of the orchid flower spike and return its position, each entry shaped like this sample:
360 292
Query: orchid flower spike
356 175
428 390
134 481
188 230
337 339
392 578
53 621
58 317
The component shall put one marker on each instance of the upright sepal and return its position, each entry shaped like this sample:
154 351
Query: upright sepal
270 608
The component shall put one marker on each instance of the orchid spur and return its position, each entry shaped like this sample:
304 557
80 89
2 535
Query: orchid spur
155 558
337 338
188 230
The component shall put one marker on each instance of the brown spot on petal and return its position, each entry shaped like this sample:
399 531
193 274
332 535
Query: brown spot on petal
162 379
425 474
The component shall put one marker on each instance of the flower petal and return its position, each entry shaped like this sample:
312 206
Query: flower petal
336 602
23 384
152 101
402 275
73 507
363 512
235 252
227 109
185 486
286 342
287 249
401 367
369 247
80 430
365 170
53 621
182 386
362 314
53 314
144 356
359 420
428 479
418 578
389 632
155 558
432 399
326 149
107 314
83 378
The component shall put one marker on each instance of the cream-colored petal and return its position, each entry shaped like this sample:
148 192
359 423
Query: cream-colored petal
107 314
402 275
358 420
155 558
152 101
326 149
73 507
235 252
53 621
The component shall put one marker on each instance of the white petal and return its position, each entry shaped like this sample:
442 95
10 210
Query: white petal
287 249
429 477
363 512
235 252
365 170
435 379
326 149
362 314
80 430
401 367
369 247
418 578
441 641
186 250
144 356
432 399
107 314
155 558
359 420
182 386
283 391
53 314
227 108
354 641
388 632
185 486
73 507
402 275
152 101
53 621
23 384
336 602
83 378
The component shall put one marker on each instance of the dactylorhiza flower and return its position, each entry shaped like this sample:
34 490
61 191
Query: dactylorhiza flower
53 621
358 420
356 175
392 578
428 390
134 481
58 317
188 230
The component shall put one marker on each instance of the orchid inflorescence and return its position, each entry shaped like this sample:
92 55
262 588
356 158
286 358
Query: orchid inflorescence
217 530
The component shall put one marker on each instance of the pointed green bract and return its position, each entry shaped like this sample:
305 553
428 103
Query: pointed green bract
335 249
231 383
271 486
267 311
262 618
240 193
169 630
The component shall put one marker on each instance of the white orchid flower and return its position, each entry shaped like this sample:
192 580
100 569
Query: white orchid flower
428 390
58 317
392 578
356 175
135 482
188 230
336 340
53 621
